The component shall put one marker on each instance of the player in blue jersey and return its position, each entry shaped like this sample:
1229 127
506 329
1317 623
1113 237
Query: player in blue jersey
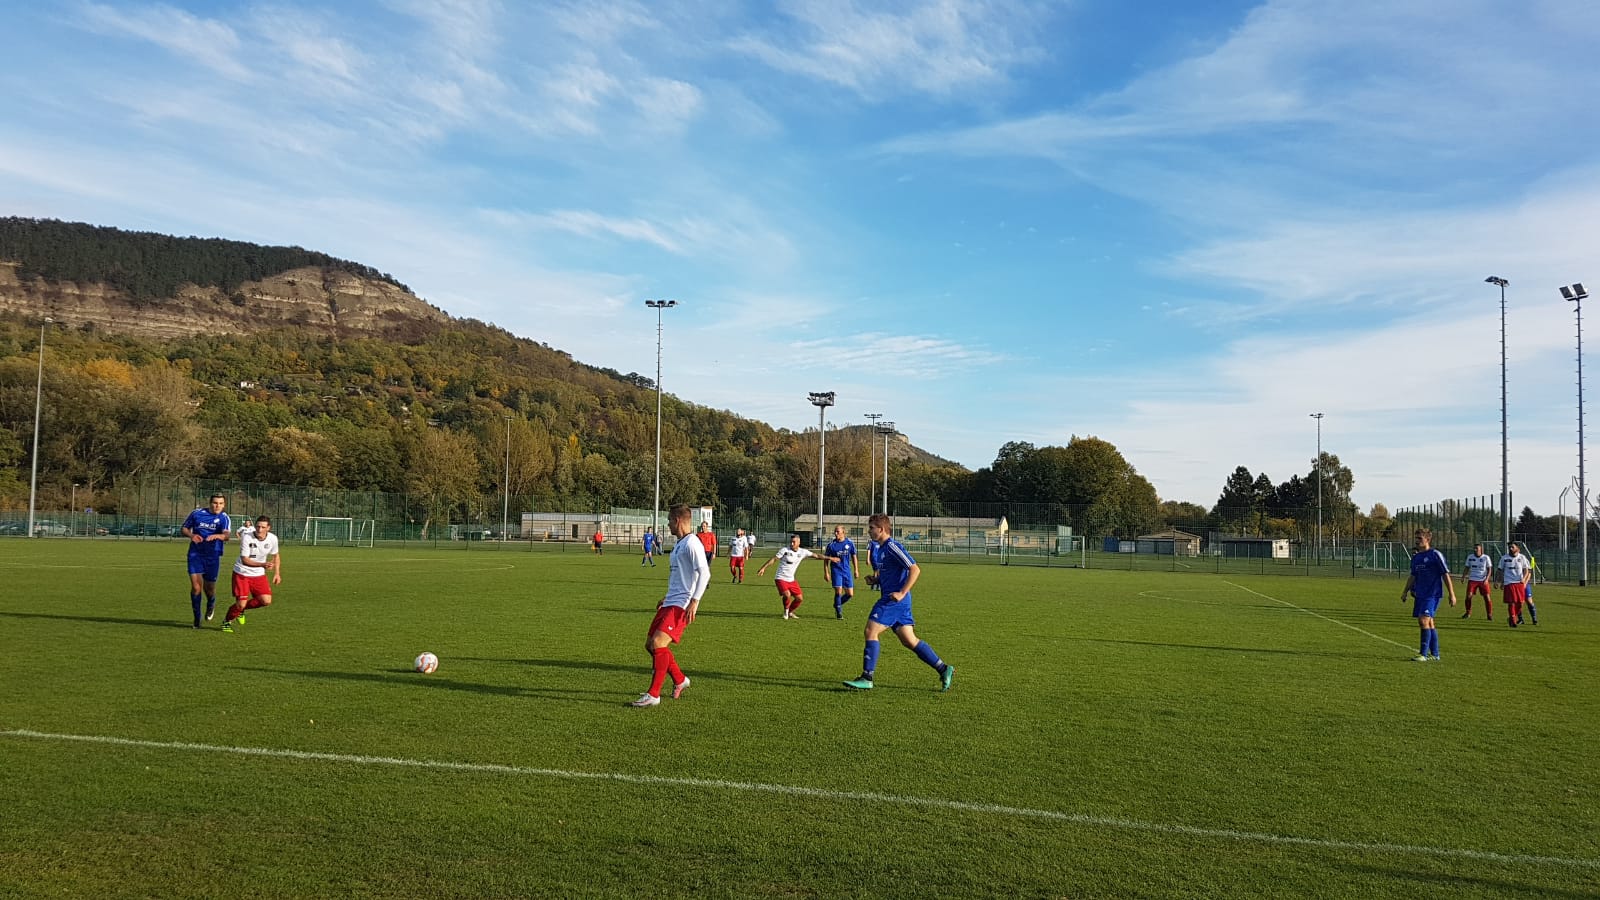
649 547
1430 578
897 574
207 529
841 573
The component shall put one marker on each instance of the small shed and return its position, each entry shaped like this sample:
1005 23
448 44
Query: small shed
1171 542
1254 547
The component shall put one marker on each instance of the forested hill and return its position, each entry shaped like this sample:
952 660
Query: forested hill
149 267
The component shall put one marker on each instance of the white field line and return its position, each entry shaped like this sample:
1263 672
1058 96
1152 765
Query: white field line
1321 616
1020 812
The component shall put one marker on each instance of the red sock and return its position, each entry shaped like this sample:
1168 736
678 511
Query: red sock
672 668
785 602
1488 608
796 604
234 611
661 660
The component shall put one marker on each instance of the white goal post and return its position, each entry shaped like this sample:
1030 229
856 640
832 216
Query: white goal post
343 531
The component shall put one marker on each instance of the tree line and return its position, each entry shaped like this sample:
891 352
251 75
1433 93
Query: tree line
149 267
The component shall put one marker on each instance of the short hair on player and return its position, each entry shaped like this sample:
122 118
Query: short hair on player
678 513
878 519
1425 533
222 497
266 519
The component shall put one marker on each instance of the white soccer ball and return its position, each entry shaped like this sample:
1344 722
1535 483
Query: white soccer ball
427 663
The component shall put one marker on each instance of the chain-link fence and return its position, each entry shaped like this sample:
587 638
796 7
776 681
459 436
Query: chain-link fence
1228 541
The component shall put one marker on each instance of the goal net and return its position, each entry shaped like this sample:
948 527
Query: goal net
345 532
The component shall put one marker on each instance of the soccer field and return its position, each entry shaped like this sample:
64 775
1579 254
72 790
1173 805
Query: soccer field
1108 734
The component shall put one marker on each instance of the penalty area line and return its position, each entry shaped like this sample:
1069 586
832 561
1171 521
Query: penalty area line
1227 834
1376 637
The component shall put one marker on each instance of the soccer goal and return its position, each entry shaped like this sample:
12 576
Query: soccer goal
344 532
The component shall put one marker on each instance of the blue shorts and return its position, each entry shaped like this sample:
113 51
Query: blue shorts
892 614
1421 607
205 566
842 578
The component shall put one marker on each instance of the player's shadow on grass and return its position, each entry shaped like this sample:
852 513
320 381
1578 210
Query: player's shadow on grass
409 678
105 620
1214 647
1433 881
642 669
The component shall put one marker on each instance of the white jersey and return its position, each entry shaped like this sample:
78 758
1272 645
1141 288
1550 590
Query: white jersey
690 573
1513 568
739 546
1478 566
252 547
789 562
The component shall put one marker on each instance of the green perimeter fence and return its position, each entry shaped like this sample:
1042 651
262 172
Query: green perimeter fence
1241 542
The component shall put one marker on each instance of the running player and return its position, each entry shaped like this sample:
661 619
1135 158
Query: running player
788 560
258 552
688 576
1479 568
897 573
843 573
207 529
1430 576
738 552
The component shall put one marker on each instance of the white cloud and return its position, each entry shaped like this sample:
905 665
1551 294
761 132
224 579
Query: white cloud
205 42
937 48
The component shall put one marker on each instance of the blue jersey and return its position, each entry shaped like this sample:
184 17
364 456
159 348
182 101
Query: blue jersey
873 550
845 550
649 542
206 523
894 567
1428 571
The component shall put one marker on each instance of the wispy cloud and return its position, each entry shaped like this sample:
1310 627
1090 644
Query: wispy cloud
937 48
207 42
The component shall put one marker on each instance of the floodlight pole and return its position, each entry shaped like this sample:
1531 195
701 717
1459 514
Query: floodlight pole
872 466
74 518
1318 417
655 507
38 402
886 429
505 489
821 400
1505 469
1575 293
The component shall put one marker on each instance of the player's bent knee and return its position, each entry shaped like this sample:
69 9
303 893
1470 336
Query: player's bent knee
267 600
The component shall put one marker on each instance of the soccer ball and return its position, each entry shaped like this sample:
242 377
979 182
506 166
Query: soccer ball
427 663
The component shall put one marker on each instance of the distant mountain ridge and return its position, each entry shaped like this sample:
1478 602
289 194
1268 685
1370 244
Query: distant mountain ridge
97 278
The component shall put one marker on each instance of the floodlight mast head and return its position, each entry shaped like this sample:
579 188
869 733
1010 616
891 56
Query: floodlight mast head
1574 292
1496 279
661 304
822 399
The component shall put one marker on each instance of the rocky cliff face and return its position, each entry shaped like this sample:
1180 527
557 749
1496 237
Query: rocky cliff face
326 300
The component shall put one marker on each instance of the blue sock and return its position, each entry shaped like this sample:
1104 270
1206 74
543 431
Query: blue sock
1424 649
869 659
194 601
1533 613
1433 641
926 654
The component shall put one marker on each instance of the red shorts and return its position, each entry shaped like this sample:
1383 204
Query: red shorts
248 586
1515 592
736 562
1478 587
670 621
789 589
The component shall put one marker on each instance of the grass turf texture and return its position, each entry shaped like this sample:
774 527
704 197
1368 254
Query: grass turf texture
1115 734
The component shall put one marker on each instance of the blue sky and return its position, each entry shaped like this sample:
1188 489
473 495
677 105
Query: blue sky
1180 229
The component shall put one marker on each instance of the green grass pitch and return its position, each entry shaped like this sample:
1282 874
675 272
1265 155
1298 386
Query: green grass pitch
1109 734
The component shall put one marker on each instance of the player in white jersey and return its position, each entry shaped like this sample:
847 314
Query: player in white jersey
738 552
1479 569
258 552
788 560
689 575
1514 575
